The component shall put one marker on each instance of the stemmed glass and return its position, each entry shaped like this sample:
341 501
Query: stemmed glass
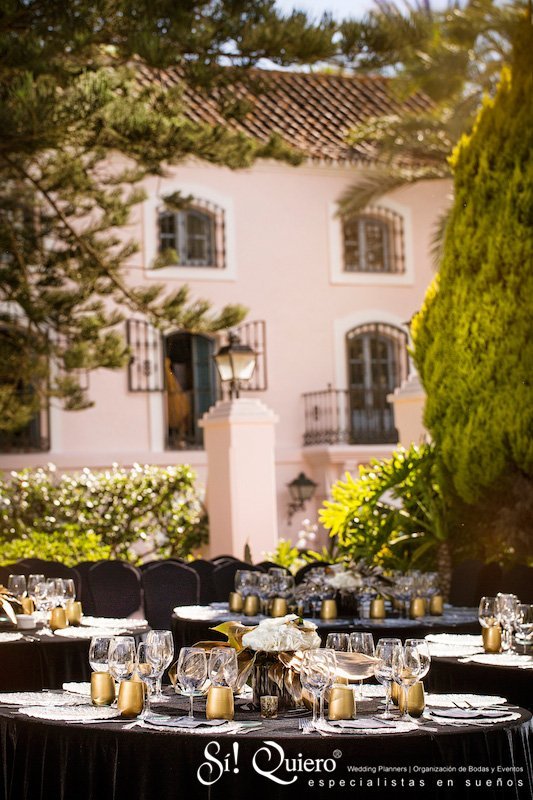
265 589
223 667
99 653
406 670
148 668
191 672
121 657
424 655
488 612
338 641
524 623
69 590
385 653
31 584
506 613
318 674
16 585
362 642
165 642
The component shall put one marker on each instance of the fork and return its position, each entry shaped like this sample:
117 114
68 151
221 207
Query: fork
305 725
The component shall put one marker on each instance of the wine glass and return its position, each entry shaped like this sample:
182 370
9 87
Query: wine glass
69 589
121 657
524 623
223 667
31 583
423 653
506 614
338 641
147 668
362 642
385 653
16 585
99 653
165 641
488 612
191 672
56 592
316 675
265 585
406 670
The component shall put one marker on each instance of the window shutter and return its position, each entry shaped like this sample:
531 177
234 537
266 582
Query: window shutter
254 335
204 380
145 368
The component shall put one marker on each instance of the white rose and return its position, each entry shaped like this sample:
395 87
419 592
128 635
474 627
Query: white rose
277 635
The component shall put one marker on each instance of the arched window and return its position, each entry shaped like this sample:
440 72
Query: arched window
377 364
195 234
373 242
191 387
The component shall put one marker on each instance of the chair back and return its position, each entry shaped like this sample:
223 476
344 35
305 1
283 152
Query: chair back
224 577
167 585
464 585
519 581
204 570
115 587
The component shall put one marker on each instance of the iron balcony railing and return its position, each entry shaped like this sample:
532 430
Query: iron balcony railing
355 416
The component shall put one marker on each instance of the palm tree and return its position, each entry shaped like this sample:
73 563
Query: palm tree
451 58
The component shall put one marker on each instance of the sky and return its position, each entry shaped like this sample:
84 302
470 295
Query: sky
341 9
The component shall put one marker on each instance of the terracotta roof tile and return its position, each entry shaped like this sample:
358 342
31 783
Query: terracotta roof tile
313 112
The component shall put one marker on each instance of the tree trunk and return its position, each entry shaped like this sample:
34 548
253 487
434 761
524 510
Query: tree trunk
444 568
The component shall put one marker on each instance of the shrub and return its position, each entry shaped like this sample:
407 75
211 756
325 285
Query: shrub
155 505
68 547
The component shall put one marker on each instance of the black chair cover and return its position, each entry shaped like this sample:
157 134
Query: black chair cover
167 585
147 564
85 595
50 569
222 559
489 581
204 570
464 586
116 588
519 581
266 565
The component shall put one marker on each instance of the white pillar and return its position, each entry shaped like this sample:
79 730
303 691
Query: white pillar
241 484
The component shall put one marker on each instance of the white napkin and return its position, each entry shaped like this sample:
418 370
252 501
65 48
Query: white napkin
10 637
463 700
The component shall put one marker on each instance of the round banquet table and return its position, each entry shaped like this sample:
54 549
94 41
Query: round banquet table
45 662
514 683
113 761
188 631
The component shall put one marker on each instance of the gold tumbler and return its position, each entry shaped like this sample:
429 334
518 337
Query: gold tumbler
74 612
235 602
377 608
102 689
279 607
28 606
395 693
436 605
130 698
251 605
492 639
219 703
58 619
416 700
328 609
341 703
417 607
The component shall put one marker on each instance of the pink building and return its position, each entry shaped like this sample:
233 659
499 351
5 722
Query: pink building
328 300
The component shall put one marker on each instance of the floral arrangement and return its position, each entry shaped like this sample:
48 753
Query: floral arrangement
9 605
282 634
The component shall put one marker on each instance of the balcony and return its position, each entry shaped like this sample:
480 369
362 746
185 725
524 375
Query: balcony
358 416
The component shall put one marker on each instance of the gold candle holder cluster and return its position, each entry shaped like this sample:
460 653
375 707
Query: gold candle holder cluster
102 689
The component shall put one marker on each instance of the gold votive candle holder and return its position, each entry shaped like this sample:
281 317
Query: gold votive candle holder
395 693
328 609
251 605
417 607
416 700
102 689
74 612
269 706
279 607
492 639
235 602
436 605
219 703
341 703
377 608
27 605
130 700
58 619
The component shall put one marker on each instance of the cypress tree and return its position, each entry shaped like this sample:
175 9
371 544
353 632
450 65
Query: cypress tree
473 336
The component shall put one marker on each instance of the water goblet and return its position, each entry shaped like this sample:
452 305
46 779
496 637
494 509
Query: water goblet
385 653
165 641
223 667
488 612
121 657
99 653
317 674
16 585
362 642
191 672
406 670
506 614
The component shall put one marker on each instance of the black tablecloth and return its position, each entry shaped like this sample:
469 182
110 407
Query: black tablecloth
450 674
59 761
45 662
186 632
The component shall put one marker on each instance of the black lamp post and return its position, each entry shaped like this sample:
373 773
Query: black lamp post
301 489
235 363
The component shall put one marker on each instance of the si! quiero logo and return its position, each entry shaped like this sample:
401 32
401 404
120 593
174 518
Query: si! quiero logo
269 760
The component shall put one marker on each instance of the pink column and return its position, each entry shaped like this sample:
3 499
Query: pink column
241 485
